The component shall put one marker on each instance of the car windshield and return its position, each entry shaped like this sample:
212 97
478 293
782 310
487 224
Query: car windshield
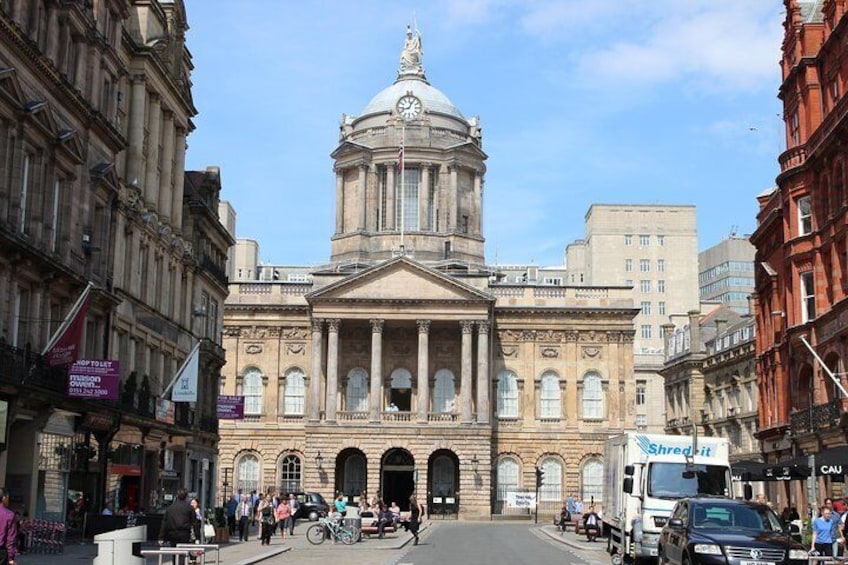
742 517
677 480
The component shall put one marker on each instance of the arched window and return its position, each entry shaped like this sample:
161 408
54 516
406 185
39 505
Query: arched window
290 474
507 477
549 396
551 490
593 397
357 391
247 474
252 390
507 395
354 475
444 391
444 476
295 392
592 480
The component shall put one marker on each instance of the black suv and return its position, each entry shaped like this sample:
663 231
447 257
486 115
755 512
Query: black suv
722 531
311 506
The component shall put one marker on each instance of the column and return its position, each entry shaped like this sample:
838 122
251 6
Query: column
375 396
443 199
136 131
363 190
151 185
476 226
179 168
372 199
453 194
424 198
483 372
423 370
339 201
315 380
166 174
332 368
390 198
465 382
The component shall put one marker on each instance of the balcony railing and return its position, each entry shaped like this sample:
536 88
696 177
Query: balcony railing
821 416
24 367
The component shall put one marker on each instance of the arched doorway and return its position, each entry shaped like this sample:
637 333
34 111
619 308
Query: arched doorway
397 473
443 484
351 473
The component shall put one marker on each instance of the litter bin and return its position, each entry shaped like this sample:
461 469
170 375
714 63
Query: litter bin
120 547
353 519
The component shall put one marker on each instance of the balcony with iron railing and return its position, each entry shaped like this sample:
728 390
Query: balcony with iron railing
815 418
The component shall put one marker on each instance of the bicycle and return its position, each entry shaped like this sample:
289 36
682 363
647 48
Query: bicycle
337 530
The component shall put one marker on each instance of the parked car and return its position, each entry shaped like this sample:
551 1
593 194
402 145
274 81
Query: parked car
311 506
722 531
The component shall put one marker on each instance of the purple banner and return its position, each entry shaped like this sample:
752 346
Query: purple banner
230 407
99 379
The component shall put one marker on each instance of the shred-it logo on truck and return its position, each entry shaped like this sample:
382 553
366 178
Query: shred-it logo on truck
658 448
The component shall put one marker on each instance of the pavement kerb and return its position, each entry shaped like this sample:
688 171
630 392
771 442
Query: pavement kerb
262 556
573 540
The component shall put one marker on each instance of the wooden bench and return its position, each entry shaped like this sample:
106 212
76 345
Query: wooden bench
369 527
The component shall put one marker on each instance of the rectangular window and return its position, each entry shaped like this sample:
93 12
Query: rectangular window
55 215
646 331
383 172
628 282
24 193
805 216
641 420
557 281
628 265
645 286
661 265
646 308
645 265
644 240
660 240
661 286
431 203
661 307
808 297
641 393
628 240
406 204
795 128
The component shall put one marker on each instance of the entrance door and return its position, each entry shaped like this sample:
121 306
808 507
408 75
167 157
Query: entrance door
397 476
401 391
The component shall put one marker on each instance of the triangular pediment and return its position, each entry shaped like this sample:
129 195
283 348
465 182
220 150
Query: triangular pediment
10 88
399 280
348 148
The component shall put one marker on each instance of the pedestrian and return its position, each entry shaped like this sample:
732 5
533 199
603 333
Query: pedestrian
243 514
265 517
341 505
823 534
577 515
416 514
231 506
177 523
197 523
9 527
294 505
283 516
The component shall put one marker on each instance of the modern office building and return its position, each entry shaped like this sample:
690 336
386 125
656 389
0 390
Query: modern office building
407 364
726 273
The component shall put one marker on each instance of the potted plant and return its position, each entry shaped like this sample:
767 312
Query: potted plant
128 395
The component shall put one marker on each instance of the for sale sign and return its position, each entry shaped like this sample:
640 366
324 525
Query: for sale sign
97 379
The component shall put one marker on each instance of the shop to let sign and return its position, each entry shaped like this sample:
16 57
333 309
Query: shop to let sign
94 378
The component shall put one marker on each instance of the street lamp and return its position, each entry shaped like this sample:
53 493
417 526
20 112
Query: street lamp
474 464
319 461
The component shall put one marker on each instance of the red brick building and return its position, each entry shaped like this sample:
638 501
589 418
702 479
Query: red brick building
802 259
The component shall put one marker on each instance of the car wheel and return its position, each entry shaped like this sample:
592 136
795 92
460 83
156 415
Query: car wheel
313 515
686 560
663 560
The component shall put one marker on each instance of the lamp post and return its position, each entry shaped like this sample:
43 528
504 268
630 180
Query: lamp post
319 461
474 464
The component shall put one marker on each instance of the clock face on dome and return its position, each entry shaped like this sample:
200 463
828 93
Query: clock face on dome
409 107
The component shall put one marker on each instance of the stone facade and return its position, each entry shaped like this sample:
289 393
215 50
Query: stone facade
409 366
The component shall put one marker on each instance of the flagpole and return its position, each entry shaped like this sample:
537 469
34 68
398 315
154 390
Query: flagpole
67 321
180 370
402 180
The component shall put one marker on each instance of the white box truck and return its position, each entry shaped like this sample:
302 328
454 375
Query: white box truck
645 474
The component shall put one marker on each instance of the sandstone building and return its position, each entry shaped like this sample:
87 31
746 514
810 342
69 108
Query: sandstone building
407 364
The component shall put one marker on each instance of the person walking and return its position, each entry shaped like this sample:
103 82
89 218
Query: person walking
265 517
823 534
243 514
231 506
8 530
177 523
197 523
283 516
416 514
294 505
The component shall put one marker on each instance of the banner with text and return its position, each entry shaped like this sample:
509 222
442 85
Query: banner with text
230 407
165 410
98 379
521 499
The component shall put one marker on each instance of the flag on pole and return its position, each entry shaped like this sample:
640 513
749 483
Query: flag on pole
63 347
185 381
400 154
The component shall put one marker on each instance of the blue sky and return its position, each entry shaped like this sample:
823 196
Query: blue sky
605 101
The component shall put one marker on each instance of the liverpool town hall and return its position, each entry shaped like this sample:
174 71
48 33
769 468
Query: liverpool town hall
407 364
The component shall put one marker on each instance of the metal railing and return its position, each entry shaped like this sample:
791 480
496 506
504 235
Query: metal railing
821 416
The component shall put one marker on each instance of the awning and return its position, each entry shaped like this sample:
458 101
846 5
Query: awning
748 470
786 471
832 462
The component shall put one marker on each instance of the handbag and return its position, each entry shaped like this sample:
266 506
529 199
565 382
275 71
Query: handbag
209 531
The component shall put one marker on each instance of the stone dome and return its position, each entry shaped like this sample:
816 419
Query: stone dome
433 99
